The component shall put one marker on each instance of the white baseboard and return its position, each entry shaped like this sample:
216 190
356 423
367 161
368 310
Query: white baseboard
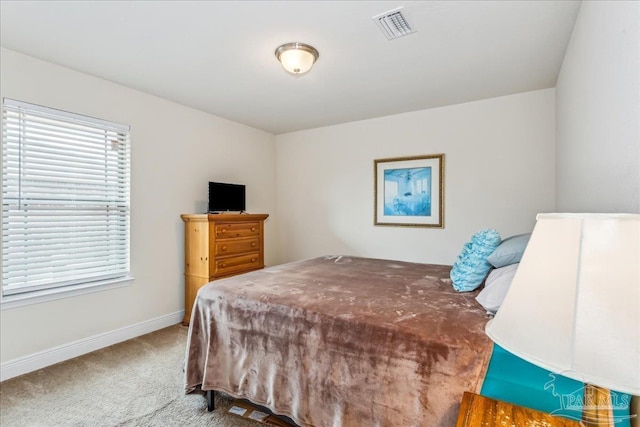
58 354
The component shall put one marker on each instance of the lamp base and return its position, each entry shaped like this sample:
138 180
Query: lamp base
597 409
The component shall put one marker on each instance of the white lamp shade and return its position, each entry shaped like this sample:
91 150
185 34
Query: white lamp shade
574 304
297 58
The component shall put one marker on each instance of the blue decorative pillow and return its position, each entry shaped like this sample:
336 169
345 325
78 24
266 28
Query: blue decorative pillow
510 251
471 267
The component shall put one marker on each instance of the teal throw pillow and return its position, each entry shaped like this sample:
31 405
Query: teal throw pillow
471 266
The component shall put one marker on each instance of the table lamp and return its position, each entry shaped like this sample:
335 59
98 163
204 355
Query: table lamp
574 305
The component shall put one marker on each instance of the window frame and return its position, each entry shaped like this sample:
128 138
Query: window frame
11 298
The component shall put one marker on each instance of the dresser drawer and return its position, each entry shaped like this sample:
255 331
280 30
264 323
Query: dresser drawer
237 264
236 246
230 230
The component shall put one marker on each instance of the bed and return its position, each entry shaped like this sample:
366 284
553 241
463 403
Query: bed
341 341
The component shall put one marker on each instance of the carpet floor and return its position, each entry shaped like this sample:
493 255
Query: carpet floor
135 383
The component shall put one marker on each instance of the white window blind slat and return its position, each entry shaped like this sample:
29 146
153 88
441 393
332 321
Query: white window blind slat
57 129
47 283
65 160
13 104
80 155
65 198
62 265
48 140
72 215
59 272
55 245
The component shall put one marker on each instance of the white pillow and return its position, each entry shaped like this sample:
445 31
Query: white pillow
496 287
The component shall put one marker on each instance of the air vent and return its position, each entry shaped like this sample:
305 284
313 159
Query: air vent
393 24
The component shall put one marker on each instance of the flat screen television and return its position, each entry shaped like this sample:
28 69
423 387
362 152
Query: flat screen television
226 197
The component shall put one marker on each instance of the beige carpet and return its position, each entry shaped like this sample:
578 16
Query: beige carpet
135 383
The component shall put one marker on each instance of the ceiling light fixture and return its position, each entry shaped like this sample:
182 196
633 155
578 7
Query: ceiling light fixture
297 58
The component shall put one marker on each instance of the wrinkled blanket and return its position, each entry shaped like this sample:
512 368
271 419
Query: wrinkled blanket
341 341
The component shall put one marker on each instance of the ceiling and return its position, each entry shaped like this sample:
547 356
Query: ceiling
218 56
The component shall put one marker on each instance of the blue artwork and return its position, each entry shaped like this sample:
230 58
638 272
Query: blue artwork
407 192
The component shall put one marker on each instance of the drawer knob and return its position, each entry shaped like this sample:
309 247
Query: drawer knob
253 244
253 229
222 265
224 230
253 260
224 248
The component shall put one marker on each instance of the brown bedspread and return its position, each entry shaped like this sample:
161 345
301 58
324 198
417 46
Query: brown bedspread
341 341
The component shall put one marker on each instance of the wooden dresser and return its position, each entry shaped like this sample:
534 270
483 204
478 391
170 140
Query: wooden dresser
217 246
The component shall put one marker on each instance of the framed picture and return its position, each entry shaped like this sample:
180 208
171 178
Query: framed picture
409 191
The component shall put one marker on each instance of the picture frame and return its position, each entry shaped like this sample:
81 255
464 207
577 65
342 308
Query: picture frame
409 191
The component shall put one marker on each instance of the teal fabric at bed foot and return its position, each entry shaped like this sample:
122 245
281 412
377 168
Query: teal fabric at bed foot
511 379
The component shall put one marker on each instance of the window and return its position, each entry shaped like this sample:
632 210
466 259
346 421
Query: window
65 199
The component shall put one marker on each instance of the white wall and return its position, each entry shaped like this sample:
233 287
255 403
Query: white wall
499 173
598 111
175 151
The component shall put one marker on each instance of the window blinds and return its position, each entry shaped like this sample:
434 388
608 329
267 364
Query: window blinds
65 198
